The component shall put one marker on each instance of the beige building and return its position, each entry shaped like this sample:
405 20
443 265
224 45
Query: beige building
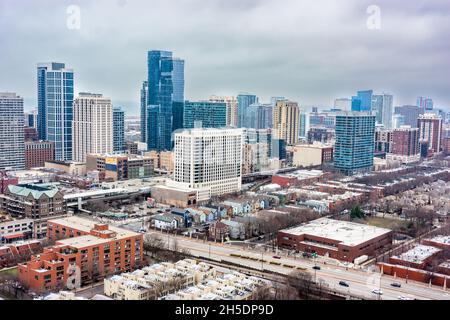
312 154
92 125
232 108
70 167
286 121
162 161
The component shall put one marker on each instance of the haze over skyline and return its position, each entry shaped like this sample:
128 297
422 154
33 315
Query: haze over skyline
311 51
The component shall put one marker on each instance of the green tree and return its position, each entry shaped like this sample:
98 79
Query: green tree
356 213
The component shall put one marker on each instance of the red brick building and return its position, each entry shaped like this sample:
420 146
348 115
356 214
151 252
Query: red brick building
84 252
30 134
336 239
405 141
38 152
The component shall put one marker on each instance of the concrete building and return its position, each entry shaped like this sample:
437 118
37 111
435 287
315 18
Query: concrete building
354 148
343 104
382 106
38 152
312 154
84 252
39 202
410 114
15 230
336 239
417 257
430 130
286 120
92 125
12 148
162 161
208 161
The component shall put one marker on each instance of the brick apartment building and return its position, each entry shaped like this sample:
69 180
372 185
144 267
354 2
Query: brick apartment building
38 152
84 252
336 239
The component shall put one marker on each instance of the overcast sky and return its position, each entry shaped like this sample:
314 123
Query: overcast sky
309 51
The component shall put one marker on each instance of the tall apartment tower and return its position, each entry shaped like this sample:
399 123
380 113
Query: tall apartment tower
144 101
92 125
286 121
382 106
244 101
430 130
165 101
208 160
55 107
232 108
362 102
355 139
12 141
118 129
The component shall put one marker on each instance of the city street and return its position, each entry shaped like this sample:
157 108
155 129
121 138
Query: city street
361 283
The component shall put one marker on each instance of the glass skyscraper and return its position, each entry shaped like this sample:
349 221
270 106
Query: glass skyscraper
118 129
144 99
363 101
165 99
12 144
355 143
211 114
55 107
244 101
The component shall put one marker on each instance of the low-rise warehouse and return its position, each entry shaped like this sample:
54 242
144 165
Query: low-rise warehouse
336 239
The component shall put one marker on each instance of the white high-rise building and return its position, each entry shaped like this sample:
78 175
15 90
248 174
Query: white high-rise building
208 161
92 125
12 145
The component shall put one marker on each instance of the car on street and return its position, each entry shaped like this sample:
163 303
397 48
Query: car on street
404 298
396 285
276 257
377 291
344 284
316 268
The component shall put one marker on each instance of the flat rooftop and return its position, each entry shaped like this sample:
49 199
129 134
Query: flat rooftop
344 232
441 239
86 225
418 254
82 241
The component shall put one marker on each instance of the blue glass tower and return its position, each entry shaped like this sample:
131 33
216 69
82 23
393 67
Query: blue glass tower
355 143
165 95
363 101
144 99
55 107
244 101
211 114
118 129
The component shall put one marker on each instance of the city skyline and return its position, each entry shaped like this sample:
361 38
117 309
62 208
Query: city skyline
330 62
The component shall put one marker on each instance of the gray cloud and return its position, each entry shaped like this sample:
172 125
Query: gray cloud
310 51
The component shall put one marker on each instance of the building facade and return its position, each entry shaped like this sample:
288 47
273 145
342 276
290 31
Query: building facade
38 152
118 130
354 147
165 99
12 141
209 161
286 120
243 102
430 130
92 125
232 108
55 107
382 105
205 114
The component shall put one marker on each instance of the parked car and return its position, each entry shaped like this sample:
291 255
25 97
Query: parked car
344 284
276 257
396 285
316 268
404 298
